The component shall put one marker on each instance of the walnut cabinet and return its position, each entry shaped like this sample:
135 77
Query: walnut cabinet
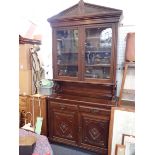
79 122
84 50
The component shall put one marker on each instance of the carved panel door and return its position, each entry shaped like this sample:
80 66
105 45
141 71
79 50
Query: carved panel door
94 131
63 125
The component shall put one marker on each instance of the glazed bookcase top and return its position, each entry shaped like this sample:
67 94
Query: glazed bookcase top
84 10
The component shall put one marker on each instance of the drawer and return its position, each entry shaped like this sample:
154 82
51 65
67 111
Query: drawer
23 98
94 110
63 106
22 106
22 109
22 102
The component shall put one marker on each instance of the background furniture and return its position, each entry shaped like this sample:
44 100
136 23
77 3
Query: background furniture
122 122
26 145
126 97
26 103
23 108
25 65
84 72
130 47
42 144
129 63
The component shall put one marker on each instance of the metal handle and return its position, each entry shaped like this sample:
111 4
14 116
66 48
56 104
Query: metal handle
94 110
79 128
39 106
62 107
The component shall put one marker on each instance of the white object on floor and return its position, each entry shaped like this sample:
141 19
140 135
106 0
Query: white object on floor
28 127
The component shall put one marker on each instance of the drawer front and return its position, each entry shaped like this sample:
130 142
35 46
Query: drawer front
22 101
63 106
23 98
94 110
22 108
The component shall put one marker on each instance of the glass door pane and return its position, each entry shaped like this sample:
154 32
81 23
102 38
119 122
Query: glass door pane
98 47
67 52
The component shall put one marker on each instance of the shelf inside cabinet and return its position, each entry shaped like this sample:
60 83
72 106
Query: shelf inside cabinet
58 39
67 64
98 65
85 82
68 52
105 51
94 77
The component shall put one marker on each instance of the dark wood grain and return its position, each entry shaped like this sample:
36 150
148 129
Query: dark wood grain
79 108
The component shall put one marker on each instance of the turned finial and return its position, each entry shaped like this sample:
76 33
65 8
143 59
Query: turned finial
81 7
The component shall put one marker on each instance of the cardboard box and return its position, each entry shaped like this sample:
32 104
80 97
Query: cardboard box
26 145
25 57
37 37
25 82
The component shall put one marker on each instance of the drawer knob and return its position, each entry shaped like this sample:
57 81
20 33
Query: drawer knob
62 107
94 110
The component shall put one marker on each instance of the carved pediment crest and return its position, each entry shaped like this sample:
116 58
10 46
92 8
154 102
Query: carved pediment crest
83 9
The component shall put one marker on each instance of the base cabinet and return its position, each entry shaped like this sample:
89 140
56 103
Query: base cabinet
77 125
63 122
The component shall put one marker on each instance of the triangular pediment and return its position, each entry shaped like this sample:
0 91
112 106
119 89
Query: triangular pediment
84 9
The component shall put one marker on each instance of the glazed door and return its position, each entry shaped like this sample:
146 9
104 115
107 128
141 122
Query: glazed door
63 123
66 53
98 53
